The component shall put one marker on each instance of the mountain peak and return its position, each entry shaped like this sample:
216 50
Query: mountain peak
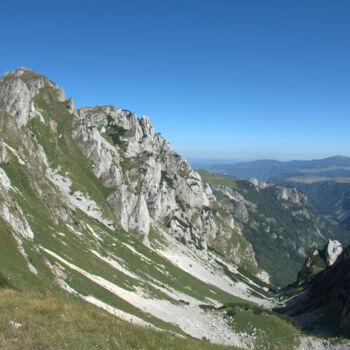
332 250
25 74
17 90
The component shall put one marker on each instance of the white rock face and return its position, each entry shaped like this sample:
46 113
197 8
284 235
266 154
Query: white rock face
260 185
3 153
16 219
16 94
153 185
76 199
61 95
291 194
334 249
129 155
140 220
122 203
264 276
5 182
241 213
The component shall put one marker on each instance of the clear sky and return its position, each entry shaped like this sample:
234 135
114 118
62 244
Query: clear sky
242 79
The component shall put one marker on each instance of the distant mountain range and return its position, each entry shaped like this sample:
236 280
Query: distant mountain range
337 167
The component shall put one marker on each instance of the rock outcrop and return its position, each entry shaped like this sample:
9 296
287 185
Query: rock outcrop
95 202
334 249
17 90
149 185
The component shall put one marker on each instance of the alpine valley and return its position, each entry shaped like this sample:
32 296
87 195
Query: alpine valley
108 239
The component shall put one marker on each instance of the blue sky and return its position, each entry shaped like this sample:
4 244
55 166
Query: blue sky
241 79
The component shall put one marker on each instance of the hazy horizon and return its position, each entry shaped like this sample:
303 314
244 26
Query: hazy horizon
229 160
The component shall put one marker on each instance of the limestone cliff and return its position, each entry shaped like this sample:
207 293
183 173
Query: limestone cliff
148 185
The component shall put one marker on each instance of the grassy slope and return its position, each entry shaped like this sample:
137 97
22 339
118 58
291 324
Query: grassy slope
217 180
272 328
59 322
272 331
278 256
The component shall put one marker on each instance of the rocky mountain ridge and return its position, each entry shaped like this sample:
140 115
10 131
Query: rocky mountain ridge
278 221
153 184
64 215
95 204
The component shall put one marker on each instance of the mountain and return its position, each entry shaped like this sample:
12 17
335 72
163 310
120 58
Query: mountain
278 221
317 260
331 199
324 305
96 208
326 182
306 170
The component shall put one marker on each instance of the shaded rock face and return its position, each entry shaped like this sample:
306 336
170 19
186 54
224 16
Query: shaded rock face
150 186
325 306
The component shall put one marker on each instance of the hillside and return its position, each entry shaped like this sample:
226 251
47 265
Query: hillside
323 307
278 221
97 208
331 199
46 321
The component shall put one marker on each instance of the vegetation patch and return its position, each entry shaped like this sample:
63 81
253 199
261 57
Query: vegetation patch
165 178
